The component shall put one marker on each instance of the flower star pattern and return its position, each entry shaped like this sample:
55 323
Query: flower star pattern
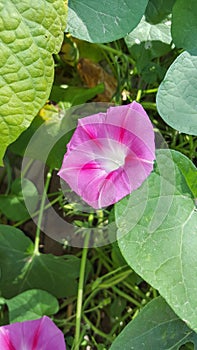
109 155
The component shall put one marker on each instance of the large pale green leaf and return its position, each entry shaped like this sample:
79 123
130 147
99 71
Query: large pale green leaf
157 226
157 10
184 24
31 305
21 269
30 32
155 327
104 21
176 98
146 32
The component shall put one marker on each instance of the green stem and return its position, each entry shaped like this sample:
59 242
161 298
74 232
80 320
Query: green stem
139 94
149 105
116 52
134 289
42 205
25 170
114 280
80 292
19 223
90 296
150 91
155 294
127 297
97 331
104 258
120 321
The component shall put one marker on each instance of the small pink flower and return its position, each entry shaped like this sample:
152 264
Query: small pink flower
41 334
109 155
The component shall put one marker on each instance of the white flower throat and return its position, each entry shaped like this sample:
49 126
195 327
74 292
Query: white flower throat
113 157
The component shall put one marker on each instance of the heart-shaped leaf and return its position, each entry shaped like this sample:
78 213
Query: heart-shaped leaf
29 35
157 228
176 98
104 21
155 327
31 305
21 269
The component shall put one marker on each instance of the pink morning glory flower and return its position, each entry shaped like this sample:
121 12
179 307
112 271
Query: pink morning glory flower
41 334
109 155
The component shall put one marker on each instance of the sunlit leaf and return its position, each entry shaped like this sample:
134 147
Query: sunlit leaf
29 35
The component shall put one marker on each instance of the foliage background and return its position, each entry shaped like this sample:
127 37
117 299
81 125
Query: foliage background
116 52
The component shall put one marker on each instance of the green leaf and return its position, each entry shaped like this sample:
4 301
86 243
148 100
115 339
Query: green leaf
153 72
89 50
146 32
53 127
50 140
184 25
103 21
118 261
155 327
157 10
47 141
188 171
19 146
12 205
176 97
117 307
21 269
159 240
49 135
31 305
29 33
146 42
68 96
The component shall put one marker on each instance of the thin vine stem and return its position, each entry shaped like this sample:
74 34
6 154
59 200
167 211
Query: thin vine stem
116 52
19 223
80 292
149 105
42 206
98 331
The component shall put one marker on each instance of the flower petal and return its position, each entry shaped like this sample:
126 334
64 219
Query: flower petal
109 155
86 130
131 118
41 334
